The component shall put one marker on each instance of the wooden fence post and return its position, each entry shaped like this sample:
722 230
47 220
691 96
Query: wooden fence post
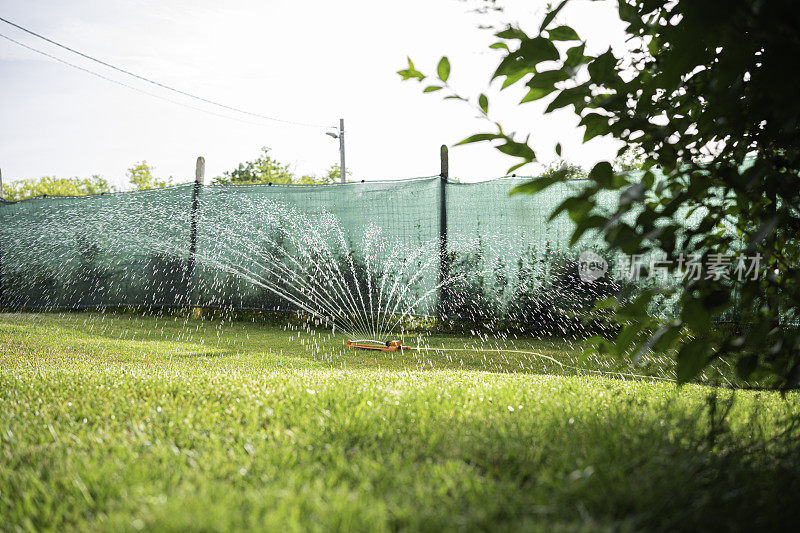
443 259
199 180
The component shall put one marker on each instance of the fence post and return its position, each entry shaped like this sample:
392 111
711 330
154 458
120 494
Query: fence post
443 260
199 179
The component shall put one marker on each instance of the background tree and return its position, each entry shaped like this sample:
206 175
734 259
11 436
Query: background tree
708 96
142 178
263 169
266 169
332 175
52 186
563 170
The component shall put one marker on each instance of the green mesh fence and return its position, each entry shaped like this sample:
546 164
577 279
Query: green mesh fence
368 247
133 249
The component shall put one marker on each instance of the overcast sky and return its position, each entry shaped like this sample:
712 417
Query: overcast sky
304 61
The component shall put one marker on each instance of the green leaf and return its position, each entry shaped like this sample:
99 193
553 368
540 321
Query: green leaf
530 53
716 301
411 72
483 102
625 238
536 94
432 88
537 50
515 167
746 365
558 149
602 68
535 185
596 124
443 69
692 358
575 56
551 15
512 32
648 179
511 79
626 337
576 207
574 96
606 303
666 336
654 46
585 223
547 79
501 46
480 137
517 149
407 75
695 315
563 33
602 173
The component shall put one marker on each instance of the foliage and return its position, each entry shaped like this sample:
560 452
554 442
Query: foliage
563 170
332 175
31 285
52 186
166 280
127 422
469 296
630 160
541 294
266 169
706 96
91 281
142 178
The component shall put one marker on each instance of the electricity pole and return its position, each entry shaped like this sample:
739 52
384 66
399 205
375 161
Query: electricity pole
341 151
340 136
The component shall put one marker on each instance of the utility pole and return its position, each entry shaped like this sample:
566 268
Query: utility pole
343 172
340 136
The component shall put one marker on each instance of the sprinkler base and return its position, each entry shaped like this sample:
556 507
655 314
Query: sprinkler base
388 346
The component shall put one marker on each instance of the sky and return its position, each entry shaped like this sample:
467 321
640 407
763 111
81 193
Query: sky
311 62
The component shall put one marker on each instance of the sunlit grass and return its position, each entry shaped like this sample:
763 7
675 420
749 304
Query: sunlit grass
128 422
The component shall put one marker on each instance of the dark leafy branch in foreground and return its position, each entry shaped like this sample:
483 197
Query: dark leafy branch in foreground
708 95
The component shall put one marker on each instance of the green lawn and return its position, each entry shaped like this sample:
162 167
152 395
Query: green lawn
120 422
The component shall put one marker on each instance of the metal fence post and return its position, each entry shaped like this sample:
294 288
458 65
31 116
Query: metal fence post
199 179
443 259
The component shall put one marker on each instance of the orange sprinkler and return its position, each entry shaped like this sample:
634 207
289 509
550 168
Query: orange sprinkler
388 346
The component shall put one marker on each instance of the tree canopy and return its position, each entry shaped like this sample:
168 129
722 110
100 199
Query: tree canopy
142 177
266 169
708 96
52 186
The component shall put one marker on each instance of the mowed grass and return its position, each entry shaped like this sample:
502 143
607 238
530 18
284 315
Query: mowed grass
119 422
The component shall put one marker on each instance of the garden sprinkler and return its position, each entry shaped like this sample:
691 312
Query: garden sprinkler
368 344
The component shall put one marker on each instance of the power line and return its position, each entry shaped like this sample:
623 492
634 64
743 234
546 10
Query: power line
148 80
123 84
